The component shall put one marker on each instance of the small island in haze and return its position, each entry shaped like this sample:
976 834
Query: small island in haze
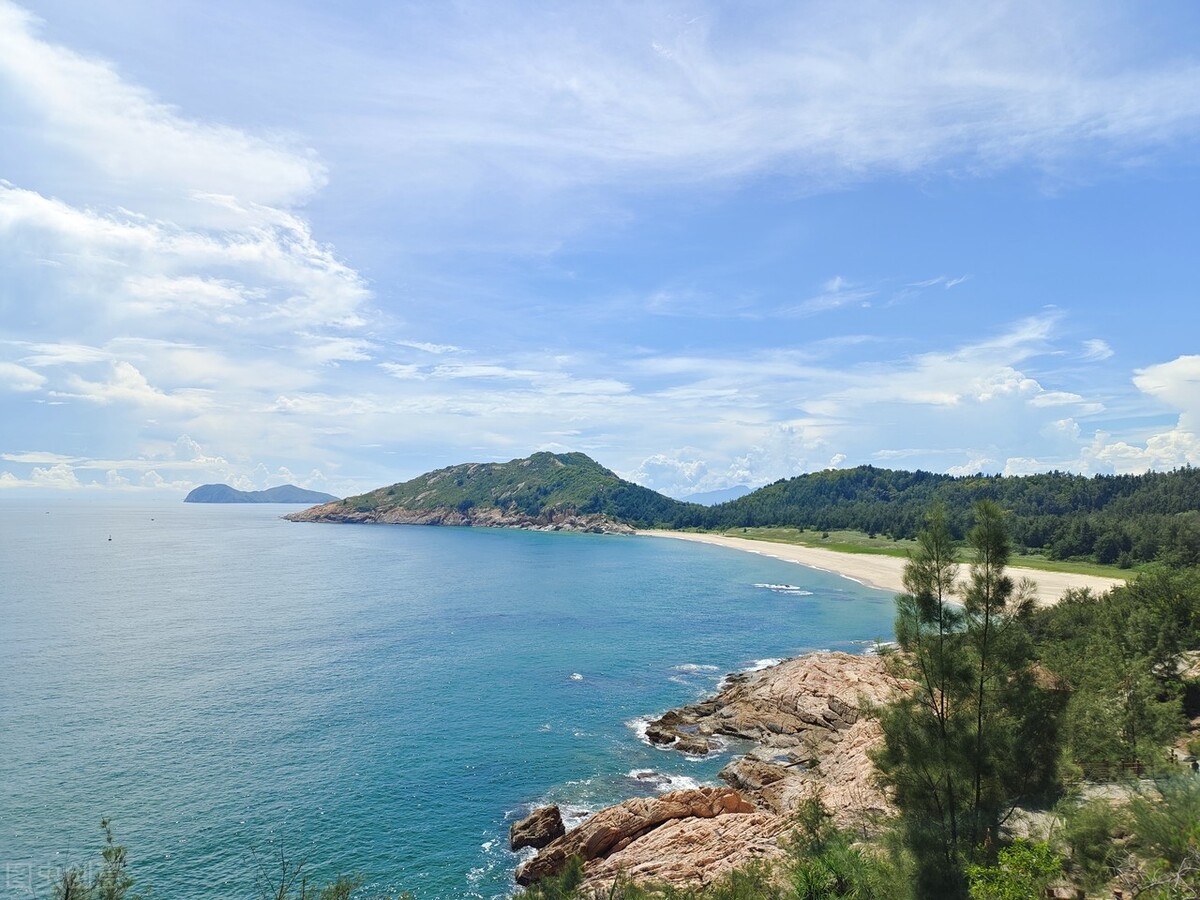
284 493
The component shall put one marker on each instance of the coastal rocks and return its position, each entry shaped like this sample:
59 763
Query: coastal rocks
538 829
807 717
617 828
487 517
692 851
810 720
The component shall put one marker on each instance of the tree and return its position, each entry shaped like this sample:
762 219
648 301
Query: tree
964 745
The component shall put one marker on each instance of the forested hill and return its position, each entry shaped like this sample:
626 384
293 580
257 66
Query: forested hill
541 487
1108 518
1122 519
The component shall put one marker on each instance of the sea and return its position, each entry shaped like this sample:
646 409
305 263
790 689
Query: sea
235 693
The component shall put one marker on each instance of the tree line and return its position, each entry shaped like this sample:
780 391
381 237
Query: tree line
1112 519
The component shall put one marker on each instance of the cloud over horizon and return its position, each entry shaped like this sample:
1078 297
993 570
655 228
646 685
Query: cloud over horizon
592 229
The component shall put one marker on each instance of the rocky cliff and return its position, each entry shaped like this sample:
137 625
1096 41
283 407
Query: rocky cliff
809 718
488 517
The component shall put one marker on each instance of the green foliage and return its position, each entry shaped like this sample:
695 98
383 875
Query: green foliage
1117 520
1112 519
1089 831
977 734
558 887
1118 654
543 484
111 882
1167 820
1022 871
824 864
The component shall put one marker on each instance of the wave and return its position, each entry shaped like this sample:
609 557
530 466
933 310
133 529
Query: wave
880 647
792 589
662 781
575 676
759 664
695 667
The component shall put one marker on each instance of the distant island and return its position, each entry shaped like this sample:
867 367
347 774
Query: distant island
284 493
712 498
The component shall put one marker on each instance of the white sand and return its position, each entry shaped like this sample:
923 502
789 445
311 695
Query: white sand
885 572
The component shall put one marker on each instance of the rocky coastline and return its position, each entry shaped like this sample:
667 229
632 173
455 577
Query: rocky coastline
488 517
809 720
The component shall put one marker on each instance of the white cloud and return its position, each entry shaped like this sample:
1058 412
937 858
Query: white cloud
601 94
1096 350
1176 382
296 281
35 457
430 348
127 385
59 476
18 378
85 107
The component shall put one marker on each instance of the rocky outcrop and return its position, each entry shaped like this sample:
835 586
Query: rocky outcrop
807 716
536 830
693 851
486 517
615 829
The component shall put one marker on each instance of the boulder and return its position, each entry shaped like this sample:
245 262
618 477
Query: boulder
617 827
537 829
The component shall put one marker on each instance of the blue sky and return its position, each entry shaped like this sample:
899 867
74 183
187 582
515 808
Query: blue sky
706 244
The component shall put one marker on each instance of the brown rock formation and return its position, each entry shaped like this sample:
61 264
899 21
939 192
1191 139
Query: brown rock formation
614 829
807 716
490 517
693 851
536 830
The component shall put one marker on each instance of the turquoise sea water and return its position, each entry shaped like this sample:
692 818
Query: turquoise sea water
381 700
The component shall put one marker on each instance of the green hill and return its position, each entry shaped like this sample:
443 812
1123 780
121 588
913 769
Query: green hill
1108 519
1123 519
568 490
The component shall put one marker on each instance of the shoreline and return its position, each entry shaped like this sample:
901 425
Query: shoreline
885 573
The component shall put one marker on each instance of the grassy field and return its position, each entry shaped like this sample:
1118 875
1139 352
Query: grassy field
858 542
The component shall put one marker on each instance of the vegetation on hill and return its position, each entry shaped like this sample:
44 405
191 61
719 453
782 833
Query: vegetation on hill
1110 519
544 483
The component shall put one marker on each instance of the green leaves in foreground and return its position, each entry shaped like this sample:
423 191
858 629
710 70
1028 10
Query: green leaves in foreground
1023 870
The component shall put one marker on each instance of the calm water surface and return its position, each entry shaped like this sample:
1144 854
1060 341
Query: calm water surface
381 700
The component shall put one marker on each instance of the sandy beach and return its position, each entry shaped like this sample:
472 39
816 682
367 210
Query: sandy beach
884 572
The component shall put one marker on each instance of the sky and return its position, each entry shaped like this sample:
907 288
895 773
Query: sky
707 244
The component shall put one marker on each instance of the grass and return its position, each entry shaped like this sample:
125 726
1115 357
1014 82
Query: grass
881 545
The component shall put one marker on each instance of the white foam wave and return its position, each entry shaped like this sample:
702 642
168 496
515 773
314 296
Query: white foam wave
573 816
759 664
575 676
662 781
793 589
880 647
639 726
695 667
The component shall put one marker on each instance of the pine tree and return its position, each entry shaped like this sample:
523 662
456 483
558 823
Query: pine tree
958 750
